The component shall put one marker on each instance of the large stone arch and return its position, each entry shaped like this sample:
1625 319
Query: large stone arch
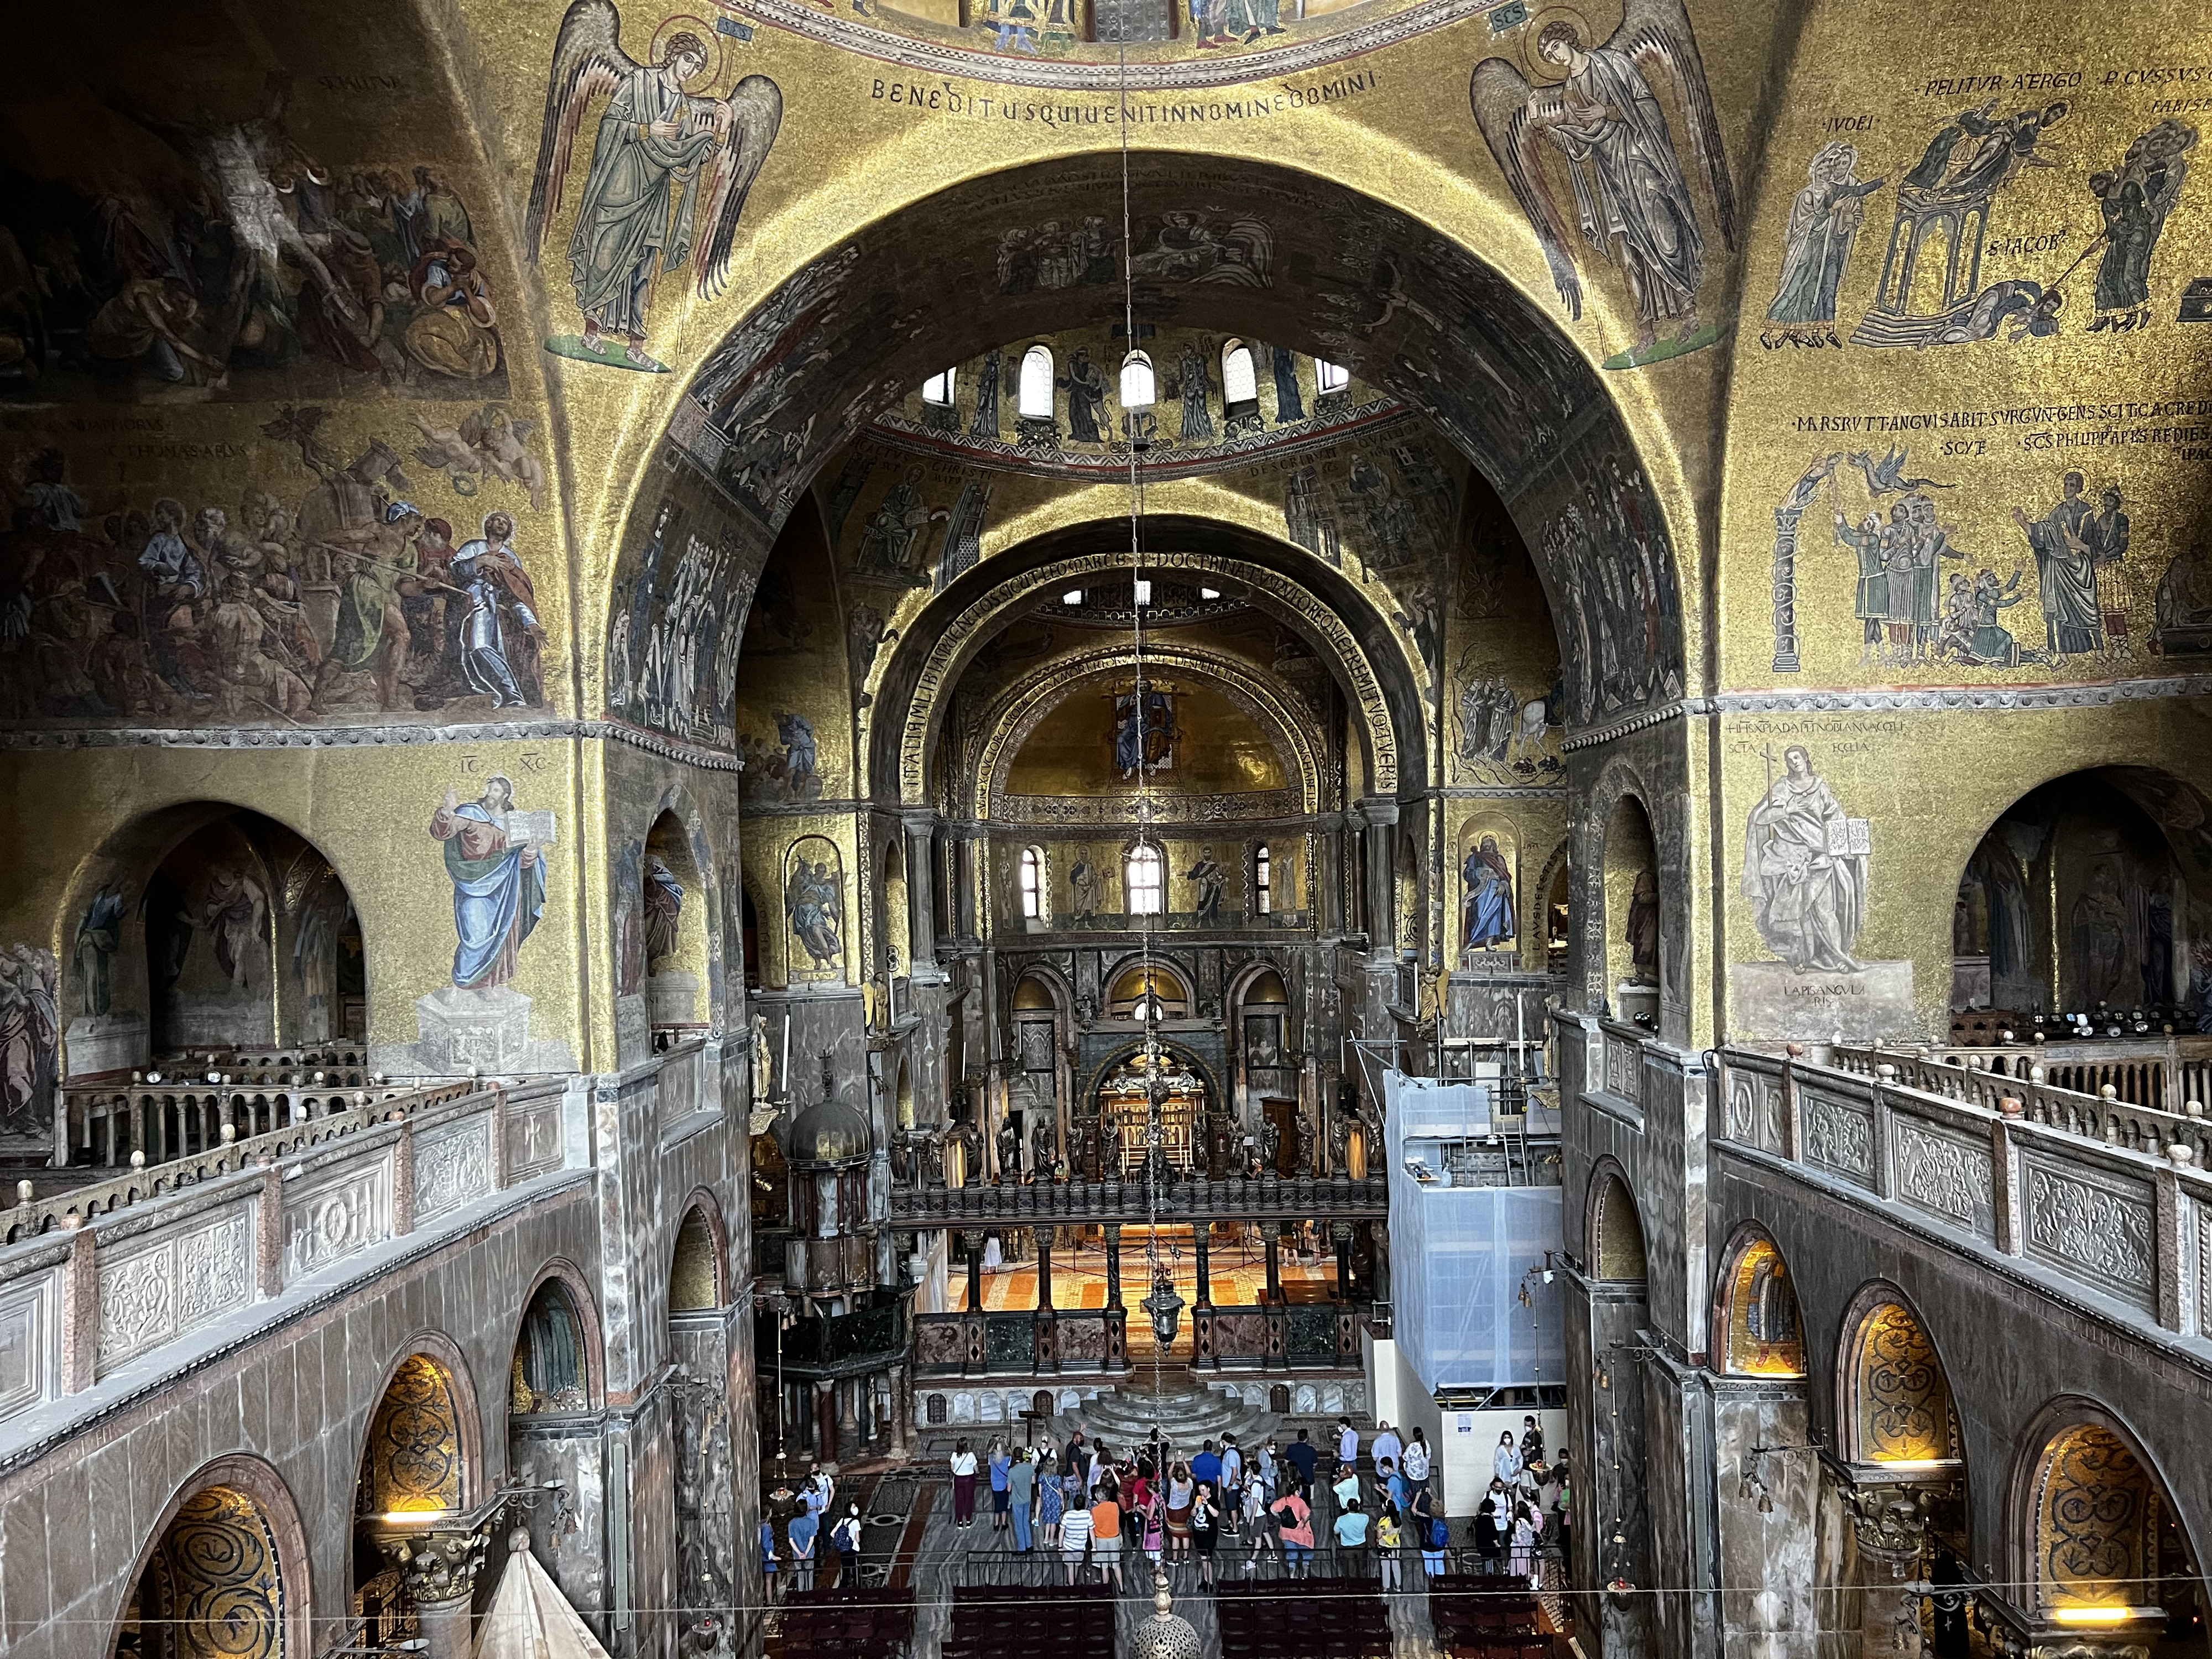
958 623
1452 339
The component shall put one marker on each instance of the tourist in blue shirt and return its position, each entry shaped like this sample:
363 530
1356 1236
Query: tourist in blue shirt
768 1556
800 1531
1206 1467
1351 1527
1002 1466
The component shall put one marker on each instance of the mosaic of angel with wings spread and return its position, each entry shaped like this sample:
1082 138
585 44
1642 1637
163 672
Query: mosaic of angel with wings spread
669 172
1596 107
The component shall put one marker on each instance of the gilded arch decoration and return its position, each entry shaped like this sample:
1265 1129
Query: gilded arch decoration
1762 1331
415 1460
940 668
1897 1400
1014 715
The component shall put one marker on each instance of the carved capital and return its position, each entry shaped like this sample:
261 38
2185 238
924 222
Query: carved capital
437 1563
1892 1527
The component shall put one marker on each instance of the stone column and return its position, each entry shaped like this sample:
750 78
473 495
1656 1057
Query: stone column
826 1421
1891 1534
902 1414
1275 1262
1340 1234
446 1627
1381 816
1044 1269
975 1245
1113 1264
1203 1242
849 1413
439 1569
921 902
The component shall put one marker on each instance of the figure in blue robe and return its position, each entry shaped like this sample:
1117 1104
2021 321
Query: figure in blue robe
499 889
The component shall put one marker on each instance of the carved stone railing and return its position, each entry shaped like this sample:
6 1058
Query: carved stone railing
1042 1342
100 1277
2111 1118
1302 1198
2126 1223
310 1121
1620 1052
2163 1073
175 1117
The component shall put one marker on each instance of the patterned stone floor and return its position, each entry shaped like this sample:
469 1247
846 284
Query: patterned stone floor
911 1538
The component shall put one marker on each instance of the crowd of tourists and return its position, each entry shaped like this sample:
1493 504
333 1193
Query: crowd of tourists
1285 1507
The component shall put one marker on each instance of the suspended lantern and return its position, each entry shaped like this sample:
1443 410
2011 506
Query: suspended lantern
1165 1308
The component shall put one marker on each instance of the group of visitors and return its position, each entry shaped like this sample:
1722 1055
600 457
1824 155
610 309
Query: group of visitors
1094 1506
1529 1499
806 1541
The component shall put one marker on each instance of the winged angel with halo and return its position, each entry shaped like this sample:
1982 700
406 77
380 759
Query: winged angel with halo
668 169
1596 109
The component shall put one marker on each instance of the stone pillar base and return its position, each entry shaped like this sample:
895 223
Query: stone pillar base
461 1031
107 1042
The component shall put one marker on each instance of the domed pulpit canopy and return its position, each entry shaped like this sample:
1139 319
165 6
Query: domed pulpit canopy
1166 1634
828 1132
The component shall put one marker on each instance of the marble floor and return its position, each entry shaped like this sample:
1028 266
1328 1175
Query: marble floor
911 1540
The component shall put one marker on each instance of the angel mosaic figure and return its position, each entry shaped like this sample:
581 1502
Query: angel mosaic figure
670 172
1632 200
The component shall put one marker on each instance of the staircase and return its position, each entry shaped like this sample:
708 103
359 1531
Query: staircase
1186 1413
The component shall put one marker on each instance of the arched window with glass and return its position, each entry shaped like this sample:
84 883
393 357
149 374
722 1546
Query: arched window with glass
1143 877
1263 892
1034 397
1032 884
1329 378
1240 380
938 389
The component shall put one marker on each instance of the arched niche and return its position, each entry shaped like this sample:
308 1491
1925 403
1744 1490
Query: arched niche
1632 952
416 1459
2097 1540
202 927
225 1572
1762 1333
554 1365
697 1278
1897 1411
894 926
1127 992
419 1468
665 941
1616 1242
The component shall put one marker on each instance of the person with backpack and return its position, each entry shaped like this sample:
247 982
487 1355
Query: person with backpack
1429 1528
1021 1493
845 1538
1295 1517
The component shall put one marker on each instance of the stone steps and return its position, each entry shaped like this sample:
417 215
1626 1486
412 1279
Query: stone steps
1189 1413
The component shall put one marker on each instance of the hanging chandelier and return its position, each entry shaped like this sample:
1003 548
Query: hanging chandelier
1165 1308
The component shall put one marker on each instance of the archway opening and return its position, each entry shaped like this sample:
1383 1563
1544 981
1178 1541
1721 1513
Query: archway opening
214 1584
2107 1549
413 1475
1762 1333
1124 1101
2089 902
